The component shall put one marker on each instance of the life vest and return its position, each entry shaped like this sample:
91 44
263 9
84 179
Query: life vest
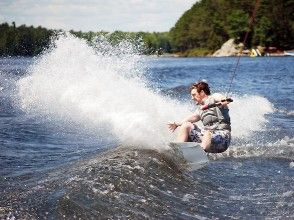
216 118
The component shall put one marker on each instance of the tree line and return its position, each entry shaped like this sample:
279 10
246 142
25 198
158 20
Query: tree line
210 23
199 31
31 41
23 40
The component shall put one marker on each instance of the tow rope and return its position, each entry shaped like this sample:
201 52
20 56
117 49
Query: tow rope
250 24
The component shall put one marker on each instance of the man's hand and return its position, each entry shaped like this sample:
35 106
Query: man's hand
224 102
172 126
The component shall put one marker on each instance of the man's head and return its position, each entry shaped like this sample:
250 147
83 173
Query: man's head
199 91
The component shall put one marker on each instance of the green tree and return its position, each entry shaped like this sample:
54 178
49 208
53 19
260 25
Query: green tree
263 33
209 23
237 22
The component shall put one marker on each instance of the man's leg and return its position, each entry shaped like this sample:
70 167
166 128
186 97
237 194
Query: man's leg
220 141
206 140
185 129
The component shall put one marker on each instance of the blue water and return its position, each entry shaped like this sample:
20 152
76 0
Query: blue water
45 155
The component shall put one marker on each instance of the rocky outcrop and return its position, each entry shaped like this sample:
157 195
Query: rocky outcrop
229 48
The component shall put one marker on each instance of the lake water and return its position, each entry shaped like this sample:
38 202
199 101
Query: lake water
64 114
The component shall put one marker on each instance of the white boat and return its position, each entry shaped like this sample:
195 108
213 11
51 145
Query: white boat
289 53
192 153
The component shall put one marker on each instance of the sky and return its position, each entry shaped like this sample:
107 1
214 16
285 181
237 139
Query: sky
95 15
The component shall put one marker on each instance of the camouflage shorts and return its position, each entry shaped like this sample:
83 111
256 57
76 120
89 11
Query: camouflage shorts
220 140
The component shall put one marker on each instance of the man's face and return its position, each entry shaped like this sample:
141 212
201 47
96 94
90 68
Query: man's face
197 97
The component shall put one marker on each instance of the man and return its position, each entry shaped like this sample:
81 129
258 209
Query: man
215 137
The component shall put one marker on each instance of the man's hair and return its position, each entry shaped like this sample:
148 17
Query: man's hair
201 86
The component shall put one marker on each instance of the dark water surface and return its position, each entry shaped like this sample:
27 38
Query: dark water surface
53 167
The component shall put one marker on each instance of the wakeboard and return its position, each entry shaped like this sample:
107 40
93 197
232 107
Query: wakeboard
192 153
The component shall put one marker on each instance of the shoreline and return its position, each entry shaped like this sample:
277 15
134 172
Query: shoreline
167 55
175 55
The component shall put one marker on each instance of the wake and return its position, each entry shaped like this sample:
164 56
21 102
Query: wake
103 87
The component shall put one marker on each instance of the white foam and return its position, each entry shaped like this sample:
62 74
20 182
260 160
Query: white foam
104 87
287 112
101 89
283 148
248 114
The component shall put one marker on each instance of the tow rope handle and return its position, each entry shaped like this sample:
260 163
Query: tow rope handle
205 107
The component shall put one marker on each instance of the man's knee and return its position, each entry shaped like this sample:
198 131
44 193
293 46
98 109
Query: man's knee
186 126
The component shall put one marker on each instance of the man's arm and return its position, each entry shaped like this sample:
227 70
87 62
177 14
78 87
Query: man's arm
191 118
219 99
